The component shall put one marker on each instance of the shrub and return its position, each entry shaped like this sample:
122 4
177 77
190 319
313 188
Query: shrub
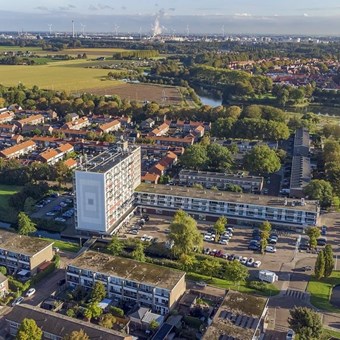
116 311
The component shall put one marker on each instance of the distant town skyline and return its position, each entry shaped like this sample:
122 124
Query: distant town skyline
175 16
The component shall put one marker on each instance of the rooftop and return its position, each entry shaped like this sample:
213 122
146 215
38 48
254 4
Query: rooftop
301 137
61 325
237 318
106 160
221 175
25 245
13 149
129 269
227 196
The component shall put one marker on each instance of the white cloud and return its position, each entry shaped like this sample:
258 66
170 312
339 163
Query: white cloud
242 15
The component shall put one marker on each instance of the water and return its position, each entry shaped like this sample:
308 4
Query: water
210 101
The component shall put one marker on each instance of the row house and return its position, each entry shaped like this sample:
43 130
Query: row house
6 116
18 150
171 141
74 134
53 156
148 285
31 120
160 131
71 163
11 138
77 124
111 126
44 129
3 285
9 128
187 125
45 141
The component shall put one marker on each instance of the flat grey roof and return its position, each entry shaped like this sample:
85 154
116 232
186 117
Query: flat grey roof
106 160
21 244
237 318
125 268
221 175
226 196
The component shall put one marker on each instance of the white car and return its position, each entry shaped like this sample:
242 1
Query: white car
270 249
30 292
290 335
17 301
207 237
50 213
250 261
223 241
257 264
201 284
144 238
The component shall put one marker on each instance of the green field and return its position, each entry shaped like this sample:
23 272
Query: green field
225 284
321 291
56 76
64 246
7 213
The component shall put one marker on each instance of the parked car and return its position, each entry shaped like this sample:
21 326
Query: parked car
244 260
223 241
257 264
270 249
250 261
321 241
30 292
17 301
201 284
207 251
306 268
324 230
50 213
60 219
253 246
290 335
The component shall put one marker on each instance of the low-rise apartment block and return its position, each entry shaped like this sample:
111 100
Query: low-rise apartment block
23 255
6 116
301 175
172 141
221 180
301 142
242 209
3 285
148 285
104 188
57 326
113 125
18 150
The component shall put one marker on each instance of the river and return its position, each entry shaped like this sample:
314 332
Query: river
210 101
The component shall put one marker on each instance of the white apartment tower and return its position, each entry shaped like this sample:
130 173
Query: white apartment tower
104 189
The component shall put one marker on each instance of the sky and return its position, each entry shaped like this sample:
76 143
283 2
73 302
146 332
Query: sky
299 17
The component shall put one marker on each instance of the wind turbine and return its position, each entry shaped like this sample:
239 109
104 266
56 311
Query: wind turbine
83 28
188 30
116 29
223 31
140 33
50 28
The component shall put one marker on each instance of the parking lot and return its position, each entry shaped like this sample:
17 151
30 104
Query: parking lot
57 208
157 230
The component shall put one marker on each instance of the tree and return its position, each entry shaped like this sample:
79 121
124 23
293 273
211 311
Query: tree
313 233
138 254
153 325
115 247
107 320
236 272
194 157
184 233
3 270
210 267
219 226
93 311
219 157
321 190
320 266
329 260
306 323
98 292
265 228
29 330
262 159
25 225
187 261
77 335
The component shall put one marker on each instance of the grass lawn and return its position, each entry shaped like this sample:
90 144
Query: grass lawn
64 246
7 213
321 291
225 284
59 75
329 333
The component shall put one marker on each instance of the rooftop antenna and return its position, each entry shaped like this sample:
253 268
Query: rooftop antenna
50 28
72 28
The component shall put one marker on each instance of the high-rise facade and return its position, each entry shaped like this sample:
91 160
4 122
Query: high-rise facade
104 189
